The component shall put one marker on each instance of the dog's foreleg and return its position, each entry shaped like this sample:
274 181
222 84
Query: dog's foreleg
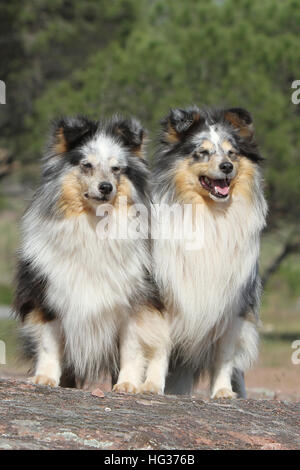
144 353
156 372
48 354
222 369
157 345
221 386
245 354
132 359
236 351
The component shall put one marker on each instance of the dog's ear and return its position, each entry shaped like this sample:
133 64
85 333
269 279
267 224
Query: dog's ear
68 133
241 120
178 123
131 133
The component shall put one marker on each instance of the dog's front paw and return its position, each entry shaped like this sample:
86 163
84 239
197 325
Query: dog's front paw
43 380
150 387
125 387
224 393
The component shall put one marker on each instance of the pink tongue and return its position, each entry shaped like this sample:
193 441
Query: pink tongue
221 187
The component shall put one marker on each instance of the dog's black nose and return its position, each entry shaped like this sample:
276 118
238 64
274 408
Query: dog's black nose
226 167
105 187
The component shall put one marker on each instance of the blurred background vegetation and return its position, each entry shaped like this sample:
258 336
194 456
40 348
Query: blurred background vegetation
142 57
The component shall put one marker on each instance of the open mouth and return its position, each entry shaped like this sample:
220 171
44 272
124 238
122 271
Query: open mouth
218 188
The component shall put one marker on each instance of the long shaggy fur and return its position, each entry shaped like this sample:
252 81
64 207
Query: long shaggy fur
75 291
212 293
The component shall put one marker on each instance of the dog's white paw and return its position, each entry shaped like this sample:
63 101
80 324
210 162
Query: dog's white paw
125 387
43 380
224 393
150 387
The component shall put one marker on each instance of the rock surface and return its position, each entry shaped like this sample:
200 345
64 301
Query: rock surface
37 417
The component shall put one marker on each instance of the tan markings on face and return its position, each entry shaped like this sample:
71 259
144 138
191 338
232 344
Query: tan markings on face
72 202
243 182
124 191
190 191
36 317
226 146
207 145
186 177
61 143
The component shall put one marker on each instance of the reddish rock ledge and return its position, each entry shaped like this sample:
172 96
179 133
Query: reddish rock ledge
38 417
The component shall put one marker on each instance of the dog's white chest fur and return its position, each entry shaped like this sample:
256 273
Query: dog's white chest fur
201 288
89 284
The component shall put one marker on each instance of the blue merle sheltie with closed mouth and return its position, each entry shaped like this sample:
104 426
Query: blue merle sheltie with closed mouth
209 159
88 304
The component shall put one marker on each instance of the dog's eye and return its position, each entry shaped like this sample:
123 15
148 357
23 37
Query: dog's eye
232 154
116 169
202 153
87 165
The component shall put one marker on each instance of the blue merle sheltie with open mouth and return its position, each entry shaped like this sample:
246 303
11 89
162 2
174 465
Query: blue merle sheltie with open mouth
209 159
88 304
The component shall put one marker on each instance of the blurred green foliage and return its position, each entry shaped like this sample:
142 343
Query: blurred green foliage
290 272
5 294
145 56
